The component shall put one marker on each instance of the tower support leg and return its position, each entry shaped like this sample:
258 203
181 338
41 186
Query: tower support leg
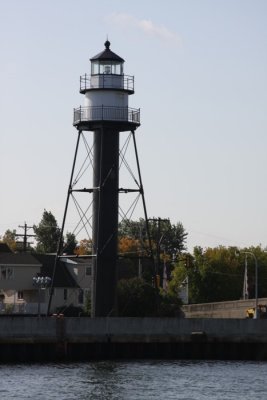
61 237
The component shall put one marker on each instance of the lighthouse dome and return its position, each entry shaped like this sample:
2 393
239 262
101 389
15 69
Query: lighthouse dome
107 54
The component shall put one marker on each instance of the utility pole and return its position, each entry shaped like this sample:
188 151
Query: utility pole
25 235
159 240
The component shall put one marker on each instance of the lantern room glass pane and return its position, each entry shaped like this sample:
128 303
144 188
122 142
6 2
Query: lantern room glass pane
117 68
106 67
95 68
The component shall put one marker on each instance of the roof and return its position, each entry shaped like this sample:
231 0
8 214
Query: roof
62 277
45 262
4 248
107 55
19 259
87 260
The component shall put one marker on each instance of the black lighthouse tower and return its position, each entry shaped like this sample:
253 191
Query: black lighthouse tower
106 113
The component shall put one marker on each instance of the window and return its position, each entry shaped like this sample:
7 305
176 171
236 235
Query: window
88 271
7 273
107 67
117 68
95 68
3 273
20 295
65 294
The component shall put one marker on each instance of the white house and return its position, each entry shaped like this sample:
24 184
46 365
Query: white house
19 294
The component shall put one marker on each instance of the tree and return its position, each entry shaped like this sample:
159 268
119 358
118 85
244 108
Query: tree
217 274
221 274
167 240
10 239
136 298
88 304
47 233
261 257
70 243
84 247
170 237
128 245
132 229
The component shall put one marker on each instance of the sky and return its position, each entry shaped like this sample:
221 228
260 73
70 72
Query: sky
200 69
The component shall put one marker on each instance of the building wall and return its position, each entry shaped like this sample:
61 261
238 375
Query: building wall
21 278
82 273
63 297
106 98
12 296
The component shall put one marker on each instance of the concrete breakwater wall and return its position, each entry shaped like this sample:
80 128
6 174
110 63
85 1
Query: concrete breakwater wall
50 339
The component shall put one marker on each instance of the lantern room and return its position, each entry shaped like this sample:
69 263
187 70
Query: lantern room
107 62
107 70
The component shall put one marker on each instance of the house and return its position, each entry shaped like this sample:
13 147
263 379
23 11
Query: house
16 284
65 288
19 293
81 271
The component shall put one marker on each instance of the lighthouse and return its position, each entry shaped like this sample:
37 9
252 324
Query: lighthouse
106 113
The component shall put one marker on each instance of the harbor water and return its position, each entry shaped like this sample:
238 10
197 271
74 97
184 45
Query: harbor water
121 380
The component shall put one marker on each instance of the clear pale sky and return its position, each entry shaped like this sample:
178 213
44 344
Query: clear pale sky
200 70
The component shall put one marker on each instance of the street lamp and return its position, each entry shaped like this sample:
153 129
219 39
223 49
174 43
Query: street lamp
256 278
41 282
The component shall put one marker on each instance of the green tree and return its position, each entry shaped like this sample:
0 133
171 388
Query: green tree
261 257
70 243
168 304
136 298
88 304
47 233
170 237
217 274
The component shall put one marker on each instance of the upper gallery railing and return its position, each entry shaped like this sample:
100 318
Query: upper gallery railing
106 81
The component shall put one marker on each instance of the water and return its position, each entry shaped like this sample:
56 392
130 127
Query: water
109 380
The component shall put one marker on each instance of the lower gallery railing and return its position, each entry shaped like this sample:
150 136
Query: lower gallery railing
104 113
